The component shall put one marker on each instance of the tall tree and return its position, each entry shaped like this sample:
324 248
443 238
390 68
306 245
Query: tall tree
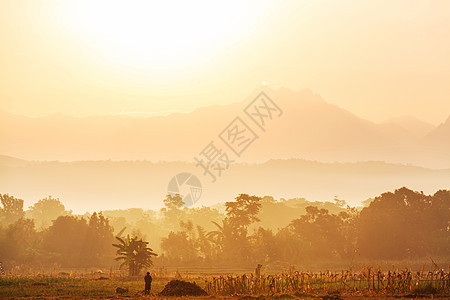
20 242
172 211
180 248
97 245
231 235
12 209
405 224
46 210
243 211
64 240
173 201
323 232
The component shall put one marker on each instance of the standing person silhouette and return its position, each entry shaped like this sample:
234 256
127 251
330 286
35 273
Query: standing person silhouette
148 283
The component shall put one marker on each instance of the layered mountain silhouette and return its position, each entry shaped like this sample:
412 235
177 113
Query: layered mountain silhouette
414 126
441 135
94 185
309 128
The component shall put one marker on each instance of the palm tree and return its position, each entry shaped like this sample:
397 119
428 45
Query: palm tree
226 239
134 253
224 232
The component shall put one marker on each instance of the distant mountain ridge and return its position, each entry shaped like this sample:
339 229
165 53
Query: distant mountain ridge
94 185
309 128
441 135
414 126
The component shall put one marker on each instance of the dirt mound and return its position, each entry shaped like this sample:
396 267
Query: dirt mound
182 288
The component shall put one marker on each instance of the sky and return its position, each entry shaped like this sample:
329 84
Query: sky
378 59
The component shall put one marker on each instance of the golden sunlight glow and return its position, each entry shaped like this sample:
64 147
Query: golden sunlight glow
160 34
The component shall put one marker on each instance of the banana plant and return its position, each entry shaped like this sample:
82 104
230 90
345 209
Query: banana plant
134 253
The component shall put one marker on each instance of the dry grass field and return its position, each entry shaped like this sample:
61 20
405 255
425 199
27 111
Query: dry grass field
320 285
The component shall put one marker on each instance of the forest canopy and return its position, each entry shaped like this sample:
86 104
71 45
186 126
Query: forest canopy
399 225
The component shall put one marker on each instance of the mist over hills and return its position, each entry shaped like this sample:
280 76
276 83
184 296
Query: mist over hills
309 128
314 150
414 126
99 185
440 137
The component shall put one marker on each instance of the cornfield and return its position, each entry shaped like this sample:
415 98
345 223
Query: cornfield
304 282
367 282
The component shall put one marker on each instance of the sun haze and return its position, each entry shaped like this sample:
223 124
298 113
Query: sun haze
378 59
265 148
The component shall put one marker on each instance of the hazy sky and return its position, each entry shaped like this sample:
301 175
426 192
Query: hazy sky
378 59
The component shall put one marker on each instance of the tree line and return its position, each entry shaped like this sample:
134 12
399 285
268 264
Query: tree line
398 225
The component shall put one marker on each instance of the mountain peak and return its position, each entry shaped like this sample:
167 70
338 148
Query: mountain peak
413 125
447 121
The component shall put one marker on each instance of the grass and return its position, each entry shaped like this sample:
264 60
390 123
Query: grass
59 287
91 287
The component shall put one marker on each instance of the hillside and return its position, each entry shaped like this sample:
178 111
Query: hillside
309 128
91 185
